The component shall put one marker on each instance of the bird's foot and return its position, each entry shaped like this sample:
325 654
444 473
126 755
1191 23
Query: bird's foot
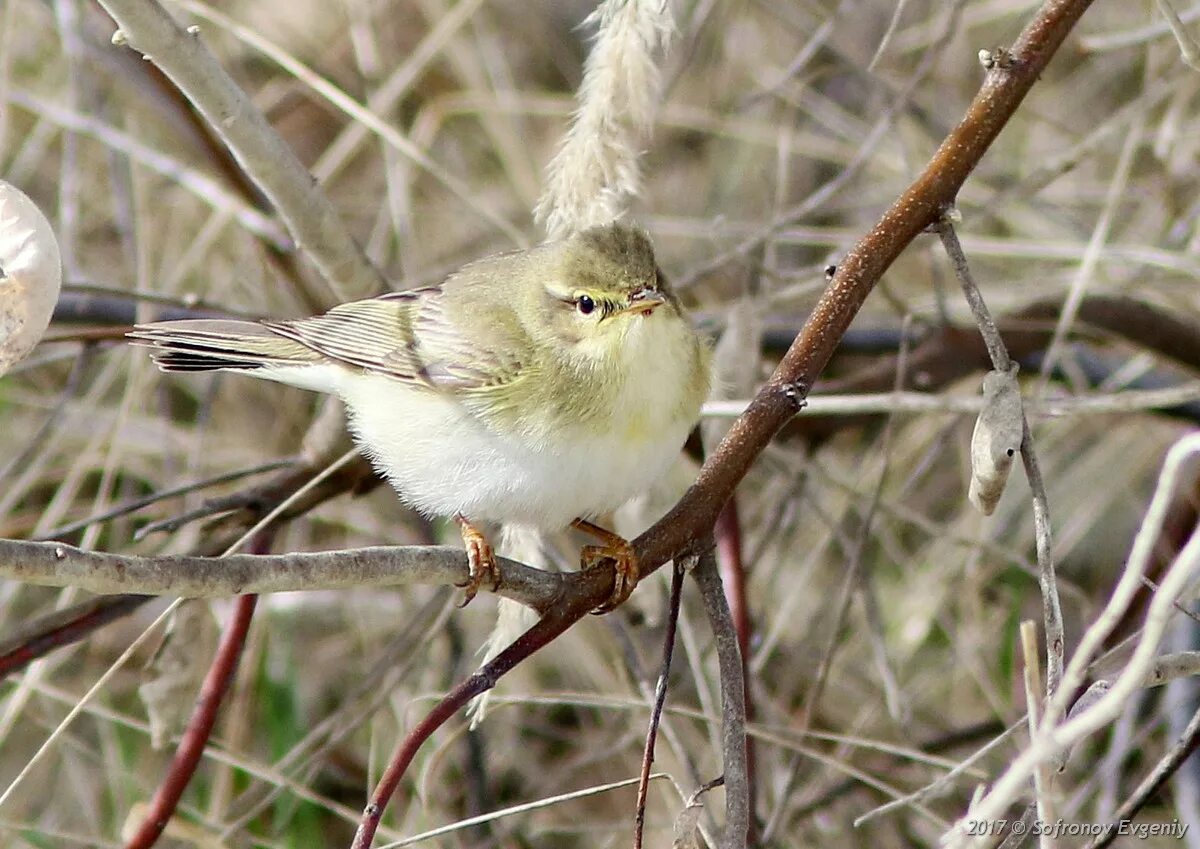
617 549
481 561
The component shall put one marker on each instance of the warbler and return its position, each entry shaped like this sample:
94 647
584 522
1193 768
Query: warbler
542 387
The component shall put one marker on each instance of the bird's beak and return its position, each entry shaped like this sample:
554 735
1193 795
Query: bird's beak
645 301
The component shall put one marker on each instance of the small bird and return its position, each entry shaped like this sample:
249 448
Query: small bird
541 387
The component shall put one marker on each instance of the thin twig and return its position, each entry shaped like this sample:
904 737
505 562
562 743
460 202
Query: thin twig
513 810
1170 763
136 504
1189 50
733 706
660 698
1043 777
893 25
1051 605
63 627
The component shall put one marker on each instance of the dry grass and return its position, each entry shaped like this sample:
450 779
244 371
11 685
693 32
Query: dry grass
763 104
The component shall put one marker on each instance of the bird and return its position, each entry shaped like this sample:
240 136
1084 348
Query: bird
543 387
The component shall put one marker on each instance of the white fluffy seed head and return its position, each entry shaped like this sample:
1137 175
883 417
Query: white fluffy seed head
30 275
595 172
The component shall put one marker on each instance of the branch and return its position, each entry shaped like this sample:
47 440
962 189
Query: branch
62 628
887 403
1170 763
590 588
656 709
1003 90
262 153
733 703
1051 605
56 564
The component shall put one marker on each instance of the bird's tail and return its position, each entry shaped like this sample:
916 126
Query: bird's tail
209 344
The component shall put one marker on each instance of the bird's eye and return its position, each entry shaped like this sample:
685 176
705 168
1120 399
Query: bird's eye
585 304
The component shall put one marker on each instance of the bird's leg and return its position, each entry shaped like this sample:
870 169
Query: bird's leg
617 549
481 561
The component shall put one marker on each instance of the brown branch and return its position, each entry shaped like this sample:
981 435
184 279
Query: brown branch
1003 90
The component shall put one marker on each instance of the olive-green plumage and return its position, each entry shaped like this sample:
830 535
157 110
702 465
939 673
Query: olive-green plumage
531 387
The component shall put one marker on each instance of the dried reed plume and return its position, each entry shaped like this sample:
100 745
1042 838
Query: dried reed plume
595 172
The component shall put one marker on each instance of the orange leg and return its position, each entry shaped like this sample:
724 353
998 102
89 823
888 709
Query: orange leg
617 549
481 562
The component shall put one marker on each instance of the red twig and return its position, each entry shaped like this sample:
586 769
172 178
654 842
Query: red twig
62 628
596 585
199 728
728 533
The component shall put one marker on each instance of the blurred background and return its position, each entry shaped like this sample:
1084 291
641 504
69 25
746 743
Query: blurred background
786 129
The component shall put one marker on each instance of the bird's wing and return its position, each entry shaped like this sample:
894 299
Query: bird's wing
410 336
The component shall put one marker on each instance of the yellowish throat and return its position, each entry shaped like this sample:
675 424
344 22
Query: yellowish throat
540 387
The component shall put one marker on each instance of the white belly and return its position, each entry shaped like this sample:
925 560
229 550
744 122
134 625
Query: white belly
444 462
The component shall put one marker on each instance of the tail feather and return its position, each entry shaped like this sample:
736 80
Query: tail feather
209 344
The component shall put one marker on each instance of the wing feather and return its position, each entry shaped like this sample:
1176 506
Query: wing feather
411 337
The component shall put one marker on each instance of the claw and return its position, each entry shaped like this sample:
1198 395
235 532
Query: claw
617 549
481 561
